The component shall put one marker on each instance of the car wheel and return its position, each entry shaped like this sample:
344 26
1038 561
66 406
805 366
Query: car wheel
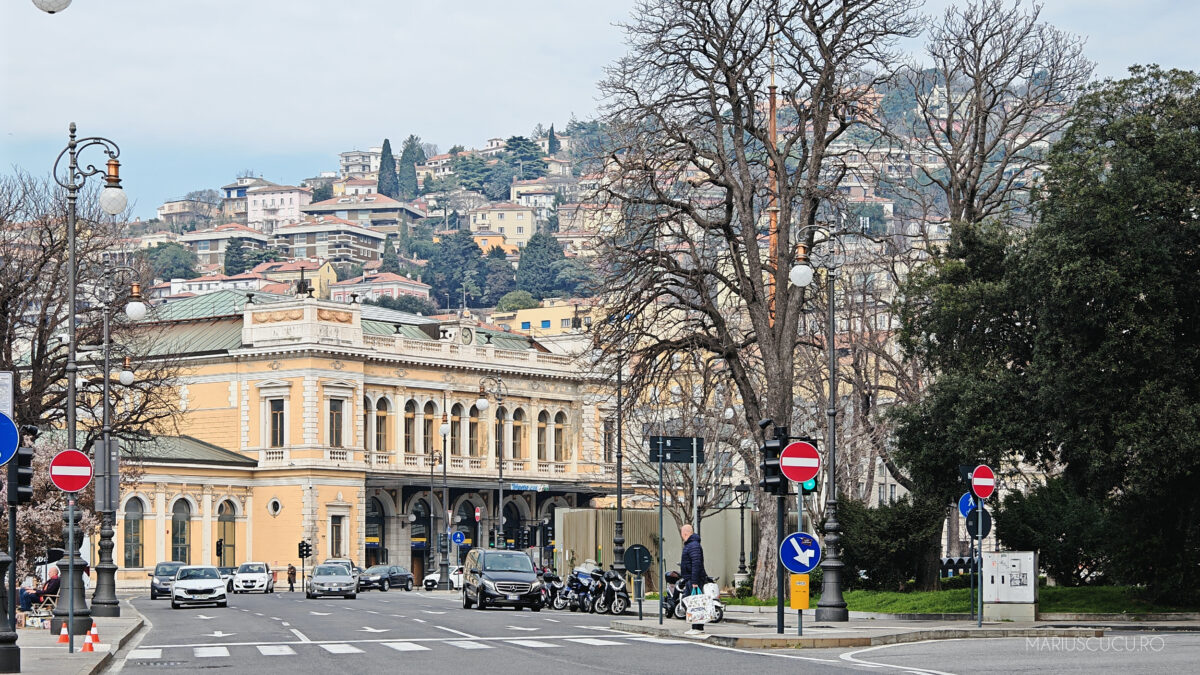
385 585
466 601
223 603
229 587
408 585
535 608
718 614
174 605
479 601
352 596
308 595
153 595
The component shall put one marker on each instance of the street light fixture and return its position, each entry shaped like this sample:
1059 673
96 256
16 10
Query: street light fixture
831 606
494 386
51 6
444 555
75 610
741 493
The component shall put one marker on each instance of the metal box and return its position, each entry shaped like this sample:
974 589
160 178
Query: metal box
1010 577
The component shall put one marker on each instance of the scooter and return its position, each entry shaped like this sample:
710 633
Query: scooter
599 592
672 599
579 590
552 591
616 594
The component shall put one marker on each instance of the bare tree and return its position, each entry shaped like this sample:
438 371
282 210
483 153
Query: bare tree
993 94
714 207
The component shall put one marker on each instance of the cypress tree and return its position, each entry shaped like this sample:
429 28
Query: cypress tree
235 257
389 183
390 261
552 143
411 155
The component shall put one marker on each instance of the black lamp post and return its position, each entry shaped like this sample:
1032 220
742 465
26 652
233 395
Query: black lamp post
490 385
741 493
444 554
108 478
74 610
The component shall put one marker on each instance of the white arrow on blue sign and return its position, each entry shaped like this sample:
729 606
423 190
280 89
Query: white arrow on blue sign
10 438
459 537
800 552
966 504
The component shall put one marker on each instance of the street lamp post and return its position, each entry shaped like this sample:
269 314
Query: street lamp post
113 201
494 386
741 492
831 606
104 599
433 518
444 554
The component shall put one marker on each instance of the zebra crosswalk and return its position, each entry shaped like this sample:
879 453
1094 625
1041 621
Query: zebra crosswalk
148 655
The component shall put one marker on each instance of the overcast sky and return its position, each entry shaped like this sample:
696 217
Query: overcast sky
195 91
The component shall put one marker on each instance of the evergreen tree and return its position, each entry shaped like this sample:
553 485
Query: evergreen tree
410 156
322 192
390 262
497 182
552 143
389 182
235 257
471 171
524 157
455 263
405 303
512 301
498 276
535 272
171 260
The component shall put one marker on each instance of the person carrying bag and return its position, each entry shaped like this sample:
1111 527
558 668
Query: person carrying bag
691 567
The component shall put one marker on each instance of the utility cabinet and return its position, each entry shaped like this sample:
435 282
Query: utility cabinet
1010 582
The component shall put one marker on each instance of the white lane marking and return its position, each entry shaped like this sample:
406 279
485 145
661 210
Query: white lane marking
341 648
220 634
468 645
371 611
758 652
419 620
276 650
553 620
145 654
664 641
300 635
536 644
456 632
522 628
594 642
850 657
368 629
406 646
286 623
258 614
319 613
209 652
398 616
429 612
436 640
275 618
201 616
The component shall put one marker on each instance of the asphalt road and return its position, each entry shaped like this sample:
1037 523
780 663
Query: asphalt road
430 632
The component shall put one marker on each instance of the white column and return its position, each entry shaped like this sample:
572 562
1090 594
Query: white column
419 429
206 521
161 534
551 456
507 442
249 507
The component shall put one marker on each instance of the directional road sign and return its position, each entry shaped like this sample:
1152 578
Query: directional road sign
10 438
799 461
70 471
966 504
676 449
637 559
973 524
983 481
800 552
459 538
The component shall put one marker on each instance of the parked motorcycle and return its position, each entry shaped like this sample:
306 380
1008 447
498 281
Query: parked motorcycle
599 591
613 595
579 586
552 591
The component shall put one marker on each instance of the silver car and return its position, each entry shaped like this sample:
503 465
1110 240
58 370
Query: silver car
331 579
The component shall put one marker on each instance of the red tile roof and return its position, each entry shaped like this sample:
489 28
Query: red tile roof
381 278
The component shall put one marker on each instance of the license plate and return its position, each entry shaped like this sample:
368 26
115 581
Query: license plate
512 597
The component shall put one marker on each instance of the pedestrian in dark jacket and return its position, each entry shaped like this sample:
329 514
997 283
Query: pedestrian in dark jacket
691 567
291 577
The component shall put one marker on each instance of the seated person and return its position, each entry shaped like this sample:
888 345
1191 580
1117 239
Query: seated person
30 596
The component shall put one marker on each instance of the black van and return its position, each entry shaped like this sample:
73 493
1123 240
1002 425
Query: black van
500 578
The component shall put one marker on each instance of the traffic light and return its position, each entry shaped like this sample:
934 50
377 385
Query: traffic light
20 477
305 550
523 538
772 481
810 485
220 548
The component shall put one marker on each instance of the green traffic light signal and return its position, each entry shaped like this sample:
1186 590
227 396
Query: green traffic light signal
810 485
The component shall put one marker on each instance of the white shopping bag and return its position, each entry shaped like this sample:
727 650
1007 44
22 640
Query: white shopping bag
712 590
699 608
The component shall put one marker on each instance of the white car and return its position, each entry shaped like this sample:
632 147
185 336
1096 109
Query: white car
456 576
198 585
253 577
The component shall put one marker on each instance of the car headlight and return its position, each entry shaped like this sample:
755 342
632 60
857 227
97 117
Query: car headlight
374 577
535 585
487 583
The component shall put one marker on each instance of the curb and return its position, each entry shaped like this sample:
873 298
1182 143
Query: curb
783 641
104 661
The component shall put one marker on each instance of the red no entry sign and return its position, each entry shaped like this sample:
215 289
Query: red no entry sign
799 461
983 481
70 471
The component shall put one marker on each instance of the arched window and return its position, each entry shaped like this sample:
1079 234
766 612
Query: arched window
410 426
376 533
473 432
520 440
455 431
382 443
543 420
560 437
135 510
368 442
181 539
227 533
498 428
427 427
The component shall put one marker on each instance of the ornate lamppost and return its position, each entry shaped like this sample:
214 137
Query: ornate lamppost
741 493
444 537
494 386
113 201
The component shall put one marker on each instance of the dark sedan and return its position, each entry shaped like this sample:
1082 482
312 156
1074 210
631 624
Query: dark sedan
162 578
384 577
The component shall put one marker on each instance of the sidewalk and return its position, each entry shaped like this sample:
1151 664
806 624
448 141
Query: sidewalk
759 634
41 652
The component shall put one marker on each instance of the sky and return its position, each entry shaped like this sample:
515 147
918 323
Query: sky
196 91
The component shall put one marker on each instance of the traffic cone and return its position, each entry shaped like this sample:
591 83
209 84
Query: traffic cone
87 643
95 633
62 635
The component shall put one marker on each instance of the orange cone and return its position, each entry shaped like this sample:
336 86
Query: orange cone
87 643
62 634
95 633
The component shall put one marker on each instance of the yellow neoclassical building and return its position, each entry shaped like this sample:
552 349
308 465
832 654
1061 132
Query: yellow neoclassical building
306 419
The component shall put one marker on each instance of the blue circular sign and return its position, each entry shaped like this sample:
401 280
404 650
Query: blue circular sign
10 438
800 552
458 537
966 504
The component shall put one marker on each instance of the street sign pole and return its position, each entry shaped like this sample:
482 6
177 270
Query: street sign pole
695 491
662 575
979 563
71 573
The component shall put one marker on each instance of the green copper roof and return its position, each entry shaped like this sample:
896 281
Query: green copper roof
217 303
183 450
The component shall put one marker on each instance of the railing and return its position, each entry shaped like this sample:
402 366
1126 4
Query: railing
456 463
338 455
475 463
557 467
273 456
515 465
382 460
473 353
